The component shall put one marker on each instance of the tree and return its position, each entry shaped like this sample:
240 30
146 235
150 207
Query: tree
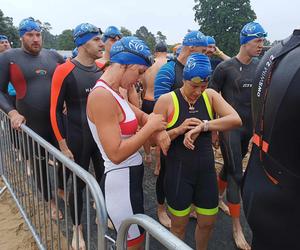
146 36
49 40
65 40
7 28
125 32
223 20
160 37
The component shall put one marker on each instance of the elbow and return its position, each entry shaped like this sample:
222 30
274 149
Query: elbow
238 121
116 158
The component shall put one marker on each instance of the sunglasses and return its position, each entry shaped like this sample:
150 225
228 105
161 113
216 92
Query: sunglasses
86 29
148 59
199 80
258 34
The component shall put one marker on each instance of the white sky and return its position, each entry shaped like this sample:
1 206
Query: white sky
172 17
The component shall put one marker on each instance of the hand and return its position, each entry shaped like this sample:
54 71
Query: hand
16 119
163 141
156 122
188 124
65 150
215 139
191 136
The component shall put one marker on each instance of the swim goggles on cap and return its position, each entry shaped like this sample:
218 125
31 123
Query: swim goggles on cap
29 24
148 59
198 79
258 34
86 29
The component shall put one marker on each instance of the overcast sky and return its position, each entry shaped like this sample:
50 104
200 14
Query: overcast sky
172 17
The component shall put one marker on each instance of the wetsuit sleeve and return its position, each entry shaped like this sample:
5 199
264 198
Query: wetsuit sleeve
58 90
5 104
59 58
164 80
218 78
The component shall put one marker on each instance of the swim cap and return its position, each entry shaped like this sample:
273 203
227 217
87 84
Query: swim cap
27 25
85 32
130 50
197 68
210 40
75 52
3 37
195 38
111 32
161 47
251 31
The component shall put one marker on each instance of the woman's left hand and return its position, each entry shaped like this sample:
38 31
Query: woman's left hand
191 136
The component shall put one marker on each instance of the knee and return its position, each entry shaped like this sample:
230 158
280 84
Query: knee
206 226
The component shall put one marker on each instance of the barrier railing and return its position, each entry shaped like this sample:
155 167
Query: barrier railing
29 170
151 227
29 167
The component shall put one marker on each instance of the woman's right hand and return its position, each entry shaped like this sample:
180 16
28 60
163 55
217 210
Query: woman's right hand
188 124
65 149
156 122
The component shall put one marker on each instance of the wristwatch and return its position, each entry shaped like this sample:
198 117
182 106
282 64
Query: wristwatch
205 126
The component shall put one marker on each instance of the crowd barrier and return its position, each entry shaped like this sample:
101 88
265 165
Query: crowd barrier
29 166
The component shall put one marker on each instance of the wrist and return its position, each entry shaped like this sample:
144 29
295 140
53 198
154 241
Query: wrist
205 126
12 113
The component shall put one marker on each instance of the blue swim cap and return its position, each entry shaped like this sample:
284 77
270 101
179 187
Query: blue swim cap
3 37
197 68
85 32
195 38
251 31
111 32
75 52
27 25
130 50
210 40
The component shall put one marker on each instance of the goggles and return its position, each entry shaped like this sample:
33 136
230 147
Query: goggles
86 29
199 80
28 25
148 59
2 37
258 34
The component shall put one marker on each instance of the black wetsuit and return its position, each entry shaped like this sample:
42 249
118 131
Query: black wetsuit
272 181
190 174
31 77
234 80
71 84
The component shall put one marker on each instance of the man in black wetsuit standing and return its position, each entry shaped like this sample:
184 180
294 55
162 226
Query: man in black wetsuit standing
234 78
71 84
30 69
272 180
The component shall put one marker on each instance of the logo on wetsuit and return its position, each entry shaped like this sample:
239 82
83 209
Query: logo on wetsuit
41 72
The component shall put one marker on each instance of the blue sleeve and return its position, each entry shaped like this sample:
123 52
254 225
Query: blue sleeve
164 79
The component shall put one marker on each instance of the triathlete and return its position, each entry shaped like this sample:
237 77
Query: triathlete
213 50
114 123
110 36
234 79
71 84
148 98
30 69
169 78
272 180
190 173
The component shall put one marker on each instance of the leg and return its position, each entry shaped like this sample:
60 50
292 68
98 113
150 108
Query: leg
178 225
205 225
160 196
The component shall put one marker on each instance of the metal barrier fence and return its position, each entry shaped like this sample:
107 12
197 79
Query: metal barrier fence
29 166
153 228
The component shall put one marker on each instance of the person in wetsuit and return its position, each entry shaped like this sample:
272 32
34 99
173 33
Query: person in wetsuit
148 98
234 79
30 69
71 84
114 122
168 78
272 180
190 174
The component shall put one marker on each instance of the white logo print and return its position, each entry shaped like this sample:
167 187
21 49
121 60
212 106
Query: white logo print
190 64
199 35
250 28
85 27
135 45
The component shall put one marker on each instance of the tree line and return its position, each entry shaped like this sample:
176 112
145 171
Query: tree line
218 18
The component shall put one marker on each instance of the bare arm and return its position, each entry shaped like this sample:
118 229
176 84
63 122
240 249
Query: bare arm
103 110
